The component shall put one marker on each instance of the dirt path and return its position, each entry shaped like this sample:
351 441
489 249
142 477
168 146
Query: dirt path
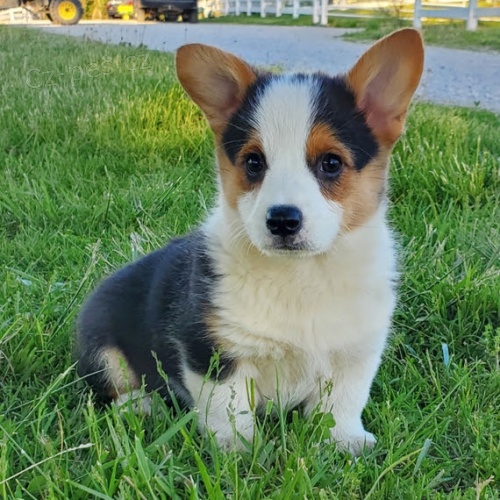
451 76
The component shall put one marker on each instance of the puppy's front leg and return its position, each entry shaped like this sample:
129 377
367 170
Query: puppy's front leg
345 395
224 408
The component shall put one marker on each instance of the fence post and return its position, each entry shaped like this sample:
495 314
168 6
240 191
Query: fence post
417 14
296 7
249 7
324 12
315 11
278 8
262 8
471 24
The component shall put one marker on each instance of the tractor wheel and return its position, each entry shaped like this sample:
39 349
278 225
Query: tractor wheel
65 11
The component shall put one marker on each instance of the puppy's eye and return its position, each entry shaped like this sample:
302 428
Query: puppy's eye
254 164
331 164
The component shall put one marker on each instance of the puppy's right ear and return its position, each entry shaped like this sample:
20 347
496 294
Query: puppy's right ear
215 80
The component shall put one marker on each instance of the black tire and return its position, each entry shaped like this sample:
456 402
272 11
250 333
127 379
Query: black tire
190 16
65 12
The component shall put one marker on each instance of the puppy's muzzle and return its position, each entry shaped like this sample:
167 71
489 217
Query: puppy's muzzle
284 220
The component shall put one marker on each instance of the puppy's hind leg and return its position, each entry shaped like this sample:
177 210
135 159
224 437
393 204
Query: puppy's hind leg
111 377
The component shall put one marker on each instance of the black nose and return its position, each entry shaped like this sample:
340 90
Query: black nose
284 220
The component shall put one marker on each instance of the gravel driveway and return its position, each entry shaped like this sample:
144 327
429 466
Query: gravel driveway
451 76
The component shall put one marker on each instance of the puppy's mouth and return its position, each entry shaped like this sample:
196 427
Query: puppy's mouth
288 246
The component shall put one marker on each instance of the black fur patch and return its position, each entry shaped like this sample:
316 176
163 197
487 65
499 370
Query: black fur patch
336 107
240 125
154 311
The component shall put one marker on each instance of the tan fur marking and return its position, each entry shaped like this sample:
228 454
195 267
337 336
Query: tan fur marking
233 177
358 192
213 324
322 140
215 80
118 374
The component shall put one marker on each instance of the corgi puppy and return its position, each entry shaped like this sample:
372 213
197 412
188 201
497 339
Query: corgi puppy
289 283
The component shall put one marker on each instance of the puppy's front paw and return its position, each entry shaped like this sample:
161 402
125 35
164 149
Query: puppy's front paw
230 443
228 440
354 443
231 437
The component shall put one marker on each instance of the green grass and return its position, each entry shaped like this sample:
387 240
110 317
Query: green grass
444 33
103 161
287 20
447 34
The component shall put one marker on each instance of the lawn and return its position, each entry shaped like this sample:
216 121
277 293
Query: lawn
306 20
103 159
444 34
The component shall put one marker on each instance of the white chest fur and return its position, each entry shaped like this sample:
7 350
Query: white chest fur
286 318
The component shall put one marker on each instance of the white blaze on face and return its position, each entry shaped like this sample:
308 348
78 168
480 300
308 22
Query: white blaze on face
283 120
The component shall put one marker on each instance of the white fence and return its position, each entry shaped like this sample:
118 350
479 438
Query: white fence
262 7
320 10
470 14
18 15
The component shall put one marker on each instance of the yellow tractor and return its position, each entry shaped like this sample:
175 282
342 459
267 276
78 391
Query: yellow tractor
58 11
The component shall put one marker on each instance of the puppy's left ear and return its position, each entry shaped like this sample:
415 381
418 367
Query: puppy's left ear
215 80
384 80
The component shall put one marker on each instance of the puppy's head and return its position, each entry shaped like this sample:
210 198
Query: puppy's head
303 158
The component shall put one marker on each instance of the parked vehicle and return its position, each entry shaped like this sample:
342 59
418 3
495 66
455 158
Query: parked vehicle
58 11
171 9
120 8
168 10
